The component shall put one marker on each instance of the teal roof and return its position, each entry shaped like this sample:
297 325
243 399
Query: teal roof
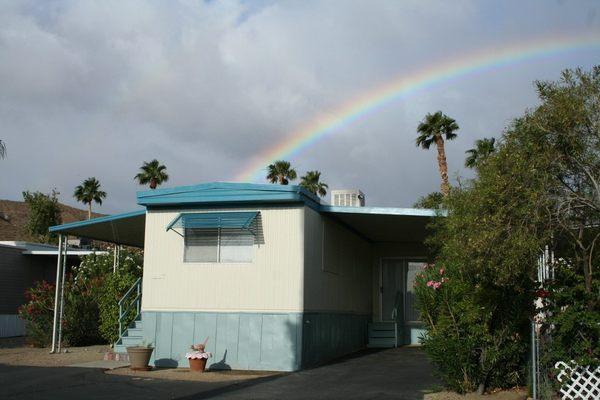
222 193
377 224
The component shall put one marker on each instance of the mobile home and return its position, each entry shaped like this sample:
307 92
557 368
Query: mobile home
273 277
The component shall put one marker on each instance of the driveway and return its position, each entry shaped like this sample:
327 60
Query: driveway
395 373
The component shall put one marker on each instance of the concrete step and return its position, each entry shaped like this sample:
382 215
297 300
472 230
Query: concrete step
137 324
381 343
382 335
382 326
131 340
134 332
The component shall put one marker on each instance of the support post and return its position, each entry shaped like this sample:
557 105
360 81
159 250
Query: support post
57 293
533 361
62 294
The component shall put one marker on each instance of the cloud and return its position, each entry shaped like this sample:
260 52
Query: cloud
95 88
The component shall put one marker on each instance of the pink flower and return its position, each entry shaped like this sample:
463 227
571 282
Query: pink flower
436 285
430 283
442 270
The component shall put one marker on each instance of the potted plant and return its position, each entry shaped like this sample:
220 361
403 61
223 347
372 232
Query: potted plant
139 356
198 356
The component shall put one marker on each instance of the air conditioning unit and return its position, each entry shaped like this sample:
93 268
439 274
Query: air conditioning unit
348 198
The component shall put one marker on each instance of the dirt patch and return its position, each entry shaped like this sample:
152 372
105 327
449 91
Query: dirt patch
184 374
517 394
14 351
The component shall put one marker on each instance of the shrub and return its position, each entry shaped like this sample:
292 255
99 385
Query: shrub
91 294
572 312
470 344
115 286
38 313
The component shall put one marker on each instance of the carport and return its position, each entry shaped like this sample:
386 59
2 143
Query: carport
120 229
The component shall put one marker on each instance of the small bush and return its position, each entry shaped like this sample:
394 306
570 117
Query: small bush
91 296
38 313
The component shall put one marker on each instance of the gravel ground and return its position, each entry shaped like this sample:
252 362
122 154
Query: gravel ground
517 394
14 351
184 374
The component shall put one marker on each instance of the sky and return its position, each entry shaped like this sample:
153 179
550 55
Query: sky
96 88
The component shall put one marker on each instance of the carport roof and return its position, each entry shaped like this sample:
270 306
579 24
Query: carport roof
127 228
384 224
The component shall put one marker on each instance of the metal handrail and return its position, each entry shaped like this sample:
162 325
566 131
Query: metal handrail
123 311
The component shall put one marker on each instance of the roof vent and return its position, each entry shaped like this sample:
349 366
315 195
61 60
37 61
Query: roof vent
348 198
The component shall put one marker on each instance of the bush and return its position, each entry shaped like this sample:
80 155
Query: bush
115 286
38 313
469 339
572 312
91 294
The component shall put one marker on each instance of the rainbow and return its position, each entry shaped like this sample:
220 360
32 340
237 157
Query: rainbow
404 86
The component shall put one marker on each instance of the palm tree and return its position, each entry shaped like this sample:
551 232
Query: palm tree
2 149
88 192
433 129
312 182
281 172
152 172
483 149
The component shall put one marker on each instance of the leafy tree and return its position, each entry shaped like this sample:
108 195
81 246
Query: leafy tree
482 150
433 129
44 212
88 192
153 173
312 182
281 172
2 149
538 188
433 201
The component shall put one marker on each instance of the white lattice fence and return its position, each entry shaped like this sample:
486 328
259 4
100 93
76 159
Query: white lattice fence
578 383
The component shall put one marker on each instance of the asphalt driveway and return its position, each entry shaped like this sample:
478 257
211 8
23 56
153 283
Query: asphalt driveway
395 373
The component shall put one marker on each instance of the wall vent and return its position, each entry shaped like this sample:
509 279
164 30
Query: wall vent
347 198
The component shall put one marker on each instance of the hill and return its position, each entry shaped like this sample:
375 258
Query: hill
14 216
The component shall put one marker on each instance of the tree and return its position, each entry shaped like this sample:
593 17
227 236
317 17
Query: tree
44 212
433 129
433 200
312 182
88 192
281 172
540 187
2 149
152 172
482 150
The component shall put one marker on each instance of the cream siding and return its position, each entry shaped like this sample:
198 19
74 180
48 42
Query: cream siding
272 282
337 267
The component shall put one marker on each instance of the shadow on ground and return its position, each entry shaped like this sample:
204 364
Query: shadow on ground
402 373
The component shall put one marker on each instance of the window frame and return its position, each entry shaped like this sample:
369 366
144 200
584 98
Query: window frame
218 245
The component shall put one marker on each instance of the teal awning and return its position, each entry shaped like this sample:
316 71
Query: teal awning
237 220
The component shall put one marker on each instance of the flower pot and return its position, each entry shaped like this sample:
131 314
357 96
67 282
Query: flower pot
139 357
197 364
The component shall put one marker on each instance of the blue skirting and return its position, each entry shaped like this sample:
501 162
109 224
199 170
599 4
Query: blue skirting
254 341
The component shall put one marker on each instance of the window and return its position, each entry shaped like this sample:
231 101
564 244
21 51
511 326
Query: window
214 245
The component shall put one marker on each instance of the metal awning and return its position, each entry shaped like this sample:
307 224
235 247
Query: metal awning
382 224
127 228
237 220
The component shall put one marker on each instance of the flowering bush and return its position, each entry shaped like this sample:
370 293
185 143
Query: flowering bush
37 313
461 340
91 295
